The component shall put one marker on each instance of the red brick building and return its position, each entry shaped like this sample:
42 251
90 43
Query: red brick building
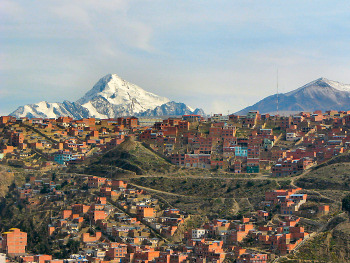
14 242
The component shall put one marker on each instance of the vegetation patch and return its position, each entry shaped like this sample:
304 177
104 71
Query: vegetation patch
335 176
128 158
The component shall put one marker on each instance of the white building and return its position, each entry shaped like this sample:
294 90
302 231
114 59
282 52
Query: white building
198 233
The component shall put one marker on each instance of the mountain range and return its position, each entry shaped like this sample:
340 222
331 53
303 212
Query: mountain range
113 97
320 94
110 97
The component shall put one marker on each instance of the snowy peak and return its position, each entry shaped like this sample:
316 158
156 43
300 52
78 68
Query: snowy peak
45 109
321 83
334 84
320 94
118 91
110 97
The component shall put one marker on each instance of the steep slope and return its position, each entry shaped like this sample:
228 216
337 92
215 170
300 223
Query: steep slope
327 183
128 158
110 97
113 95
331 177
330 246
321 94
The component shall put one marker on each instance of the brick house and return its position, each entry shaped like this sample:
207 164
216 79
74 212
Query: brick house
14 242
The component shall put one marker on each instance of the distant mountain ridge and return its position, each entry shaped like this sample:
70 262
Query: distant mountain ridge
110 97
171 108
320 94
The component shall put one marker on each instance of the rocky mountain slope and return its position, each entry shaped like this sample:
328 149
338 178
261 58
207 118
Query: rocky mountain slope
45 109
110 97
171 108
321 94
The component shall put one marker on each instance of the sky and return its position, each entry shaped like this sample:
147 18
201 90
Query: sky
217 55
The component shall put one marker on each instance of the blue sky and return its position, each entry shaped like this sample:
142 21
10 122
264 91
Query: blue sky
218 55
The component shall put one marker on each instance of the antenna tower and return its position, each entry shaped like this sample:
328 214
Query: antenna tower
277 102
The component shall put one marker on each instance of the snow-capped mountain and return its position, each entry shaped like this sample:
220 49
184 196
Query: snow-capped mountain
320 94
171 108
110 97
45 109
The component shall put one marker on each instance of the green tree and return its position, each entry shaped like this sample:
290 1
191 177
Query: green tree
53 176
73 246
250 183
346 203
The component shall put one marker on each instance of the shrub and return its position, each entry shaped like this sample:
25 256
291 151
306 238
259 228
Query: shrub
346 203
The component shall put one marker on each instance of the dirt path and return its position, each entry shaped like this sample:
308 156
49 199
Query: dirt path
260 177
159 191
188 196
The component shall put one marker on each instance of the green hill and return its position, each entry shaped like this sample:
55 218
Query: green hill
129 158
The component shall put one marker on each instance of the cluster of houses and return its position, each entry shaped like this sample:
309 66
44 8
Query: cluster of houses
30 193
251 143
60 141
289 200
240 144
141 205
279 238
120 224
125 224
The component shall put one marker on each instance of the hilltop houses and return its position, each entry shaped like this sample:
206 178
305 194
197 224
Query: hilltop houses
240 144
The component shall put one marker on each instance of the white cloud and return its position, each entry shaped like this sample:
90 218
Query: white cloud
212 54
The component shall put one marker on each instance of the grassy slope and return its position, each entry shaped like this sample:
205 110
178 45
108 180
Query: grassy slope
328 246
8 176
129 158
332 181
5 181
211 197
334 177
208 187
326 184
342 158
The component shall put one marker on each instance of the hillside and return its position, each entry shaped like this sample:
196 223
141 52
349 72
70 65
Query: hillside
128 158
221 196
329 246
211 197
342 158
335 176
327 183
6 179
